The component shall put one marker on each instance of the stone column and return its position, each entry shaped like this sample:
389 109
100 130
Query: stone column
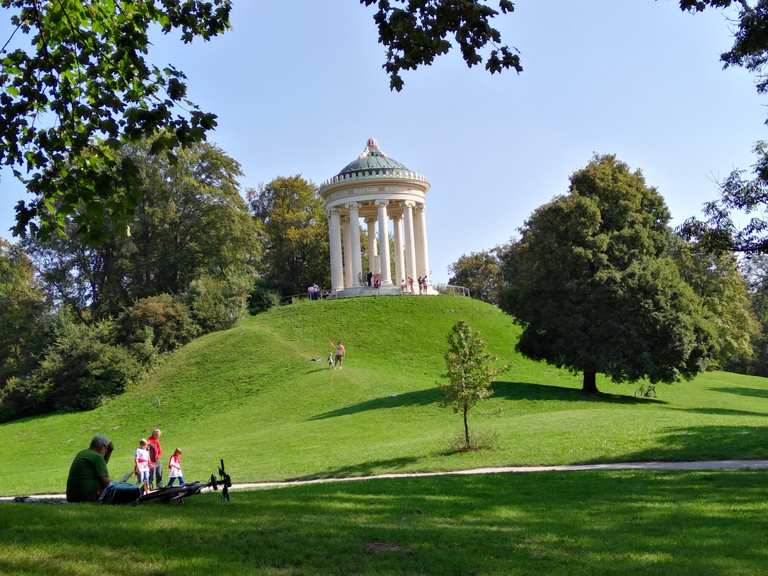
422 257
410 248
347 254
399 265
354 230
373 259
334 233
381 213
417 237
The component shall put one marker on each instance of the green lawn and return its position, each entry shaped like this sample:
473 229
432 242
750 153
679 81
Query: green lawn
254 396
575 524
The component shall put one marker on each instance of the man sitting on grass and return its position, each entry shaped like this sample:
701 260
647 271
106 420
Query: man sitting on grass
88 475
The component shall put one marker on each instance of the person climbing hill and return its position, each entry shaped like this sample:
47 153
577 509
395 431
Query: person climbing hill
339 352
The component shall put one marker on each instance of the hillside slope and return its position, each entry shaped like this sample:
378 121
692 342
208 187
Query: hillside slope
261 397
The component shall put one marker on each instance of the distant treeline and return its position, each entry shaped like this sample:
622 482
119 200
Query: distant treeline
82 319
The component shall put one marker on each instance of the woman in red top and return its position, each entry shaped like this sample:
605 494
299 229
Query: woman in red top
155 464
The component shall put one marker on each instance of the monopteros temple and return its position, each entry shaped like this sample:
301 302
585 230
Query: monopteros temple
391 200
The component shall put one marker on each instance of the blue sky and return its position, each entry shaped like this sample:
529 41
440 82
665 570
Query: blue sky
298 88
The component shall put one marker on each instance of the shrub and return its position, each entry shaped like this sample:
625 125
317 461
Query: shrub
81 368
170 322
217 302
262 299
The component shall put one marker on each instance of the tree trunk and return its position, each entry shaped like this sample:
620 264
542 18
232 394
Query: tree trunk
589 385
466 429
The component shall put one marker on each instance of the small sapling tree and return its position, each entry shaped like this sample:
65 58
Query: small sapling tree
470 372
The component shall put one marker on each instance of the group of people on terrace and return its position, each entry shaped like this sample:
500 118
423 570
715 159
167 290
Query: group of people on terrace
373 280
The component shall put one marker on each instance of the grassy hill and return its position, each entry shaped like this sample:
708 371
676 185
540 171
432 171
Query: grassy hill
260 396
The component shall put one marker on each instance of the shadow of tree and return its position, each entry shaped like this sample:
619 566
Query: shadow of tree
722 411
528 391
633 522
703 443
415 398
742 391
501 389
363 468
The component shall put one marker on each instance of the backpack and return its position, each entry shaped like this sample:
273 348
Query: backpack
120 493
152 453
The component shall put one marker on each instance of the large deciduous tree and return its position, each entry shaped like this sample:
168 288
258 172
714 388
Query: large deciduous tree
597 291
716 278
480 272
22 306
190 221
295 234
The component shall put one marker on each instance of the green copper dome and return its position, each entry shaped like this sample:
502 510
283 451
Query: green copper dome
371 159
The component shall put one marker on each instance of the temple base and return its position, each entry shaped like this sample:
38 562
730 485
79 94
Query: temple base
382 291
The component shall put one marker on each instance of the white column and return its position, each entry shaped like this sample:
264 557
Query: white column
381 216
422 257
399 267
410 248
417 241
373 254
347 254
334 233
354 230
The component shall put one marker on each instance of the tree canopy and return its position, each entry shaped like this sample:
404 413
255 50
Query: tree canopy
22 302
596 289
81 85
415 32
295 227
480 272
190 221
716 278
77 83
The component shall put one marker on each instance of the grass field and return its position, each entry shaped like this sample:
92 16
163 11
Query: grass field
576 524
255 396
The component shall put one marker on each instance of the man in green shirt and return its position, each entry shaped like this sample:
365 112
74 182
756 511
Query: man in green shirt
88 475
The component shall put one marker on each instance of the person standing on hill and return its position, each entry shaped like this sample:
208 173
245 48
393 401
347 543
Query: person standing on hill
155 463
339 352
88 475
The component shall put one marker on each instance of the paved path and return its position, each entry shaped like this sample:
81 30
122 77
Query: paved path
700 465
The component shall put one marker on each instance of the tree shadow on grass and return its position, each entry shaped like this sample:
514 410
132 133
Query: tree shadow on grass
363 468
528 391
742 391
586 523
415 398
722 412
505 390
702 443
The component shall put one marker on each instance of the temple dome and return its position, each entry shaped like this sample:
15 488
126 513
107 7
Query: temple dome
372 158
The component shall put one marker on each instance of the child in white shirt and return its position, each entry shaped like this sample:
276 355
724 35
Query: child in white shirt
174 468
141 466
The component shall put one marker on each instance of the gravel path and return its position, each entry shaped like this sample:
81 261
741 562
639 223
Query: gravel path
700 465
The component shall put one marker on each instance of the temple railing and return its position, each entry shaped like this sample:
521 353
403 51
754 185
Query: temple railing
452 290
